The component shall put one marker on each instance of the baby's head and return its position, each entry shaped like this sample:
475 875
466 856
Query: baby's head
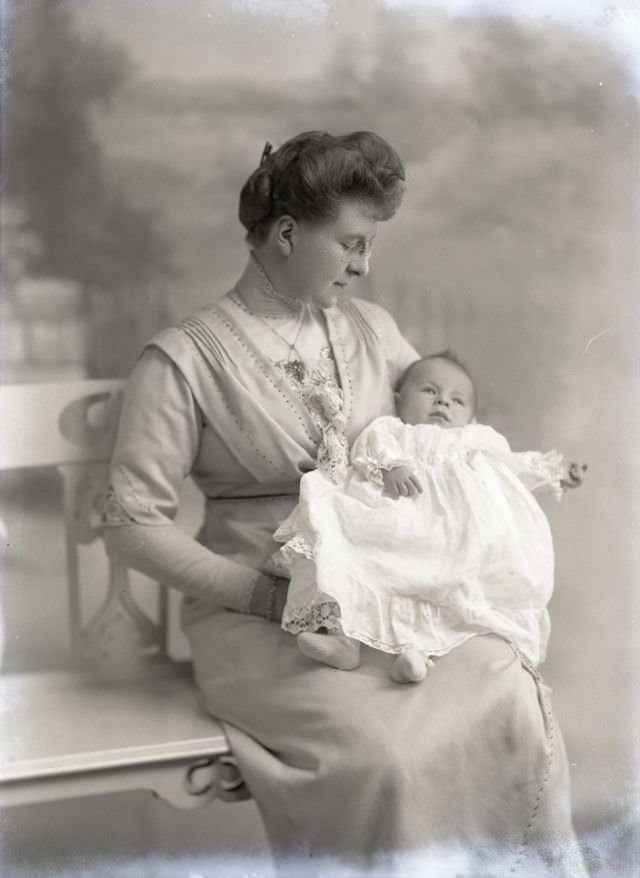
436 390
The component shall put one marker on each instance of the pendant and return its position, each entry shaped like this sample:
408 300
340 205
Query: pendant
295 369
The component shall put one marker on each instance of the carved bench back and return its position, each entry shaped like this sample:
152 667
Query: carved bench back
72 426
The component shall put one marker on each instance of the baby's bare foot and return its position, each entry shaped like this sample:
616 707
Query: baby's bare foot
409 667
334 650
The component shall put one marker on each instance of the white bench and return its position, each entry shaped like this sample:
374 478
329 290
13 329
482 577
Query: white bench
123 715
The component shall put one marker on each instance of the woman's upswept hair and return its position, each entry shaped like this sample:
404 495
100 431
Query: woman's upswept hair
311 173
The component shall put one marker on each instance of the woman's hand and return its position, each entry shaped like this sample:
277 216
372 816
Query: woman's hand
401 482
573 476
269 597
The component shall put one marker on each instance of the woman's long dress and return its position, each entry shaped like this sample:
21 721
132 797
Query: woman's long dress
467 769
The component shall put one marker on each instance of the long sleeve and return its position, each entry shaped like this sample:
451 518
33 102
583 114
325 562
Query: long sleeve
539 470
157 443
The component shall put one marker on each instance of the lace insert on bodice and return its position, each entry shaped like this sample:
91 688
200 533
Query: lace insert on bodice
322 395
318 384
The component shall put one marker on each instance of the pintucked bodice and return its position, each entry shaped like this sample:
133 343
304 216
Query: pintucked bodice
245 430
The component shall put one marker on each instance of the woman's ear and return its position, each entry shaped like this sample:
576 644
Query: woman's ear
285 234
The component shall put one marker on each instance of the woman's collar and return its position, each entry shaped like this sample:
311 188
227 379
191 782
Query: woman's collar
260 296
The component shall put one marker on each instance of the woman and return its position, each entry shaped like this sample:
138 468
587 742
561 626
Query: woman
282 373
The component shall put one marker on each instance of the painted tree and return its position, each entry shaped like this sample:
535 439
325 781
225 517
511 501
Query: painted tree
56 174
53 162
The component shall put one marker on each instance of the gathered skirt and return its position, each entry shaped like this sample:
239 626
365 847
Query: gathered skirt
465 773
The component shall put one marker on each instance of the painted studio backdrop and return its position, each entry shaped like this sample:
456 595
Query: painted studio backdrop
129 129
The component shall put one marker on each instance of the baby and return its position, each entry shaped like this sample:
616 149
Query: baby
433 537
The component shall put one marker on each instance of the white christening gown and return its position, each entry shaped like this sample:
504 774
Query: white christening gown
472 554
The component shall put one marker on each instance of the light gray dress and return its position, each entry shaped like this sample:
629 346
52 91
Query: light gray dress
466 769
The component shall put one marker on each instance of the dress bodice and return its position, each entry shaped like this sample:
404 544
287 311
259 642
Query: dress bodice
209 398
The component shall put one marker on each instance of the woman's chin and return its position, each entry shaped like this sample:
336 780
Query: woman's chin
329 297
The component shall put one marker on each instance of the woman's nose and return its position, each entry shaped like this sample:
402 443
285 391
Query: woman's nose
359 264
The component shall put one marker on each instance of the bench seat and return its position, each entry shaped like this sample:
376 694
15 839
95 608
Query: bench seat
124 716
73 733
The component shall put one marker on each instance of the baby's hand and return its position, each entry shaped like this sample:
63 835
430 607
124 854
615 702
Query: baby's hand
401 482
573 476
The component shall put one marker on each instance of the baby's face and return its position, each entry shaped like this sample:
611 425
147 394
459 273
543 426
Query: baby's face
436 392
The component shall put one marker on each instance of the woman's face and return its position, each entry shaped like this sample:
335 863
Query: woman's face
326 256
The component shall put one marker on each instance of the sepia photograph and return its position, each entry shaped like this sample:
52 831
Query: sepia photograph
319 333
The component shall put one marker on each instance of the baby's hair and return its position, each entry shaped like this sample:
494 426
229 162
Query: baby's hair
450 357
311 173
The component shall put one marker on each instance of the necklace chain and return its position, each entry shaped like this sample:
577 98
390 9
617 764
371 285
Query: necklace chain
290 344
293 365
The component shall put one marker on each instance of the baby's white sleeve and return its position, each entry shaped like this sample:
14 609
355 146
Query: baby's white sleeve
378 448
539 470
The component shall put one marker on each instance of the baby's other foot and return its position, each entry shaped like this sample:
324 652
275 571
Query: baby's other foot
409 667
334 650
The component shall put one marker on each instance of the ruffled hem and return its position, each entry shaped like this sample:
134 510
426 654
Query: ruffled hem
395 623
325 615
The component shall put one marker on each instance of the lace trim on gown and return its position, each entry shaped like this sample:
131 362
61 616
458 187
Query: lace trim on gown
296 547
324 399
325 614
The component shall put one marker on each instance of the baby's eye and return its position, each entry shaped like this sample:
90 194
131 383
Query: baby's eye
430 390
459 401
